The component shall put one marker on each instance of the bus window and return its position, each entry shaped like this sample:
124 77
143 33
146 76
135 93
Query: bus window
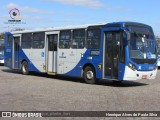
93 38
1 47
26 41
38 40
1 51
78 39
9 40
65 39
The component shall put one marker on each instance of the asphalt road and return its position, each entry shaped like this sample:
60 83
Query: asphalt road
39 92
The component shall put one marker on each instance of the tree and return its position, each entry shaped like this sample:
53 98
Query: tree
1 35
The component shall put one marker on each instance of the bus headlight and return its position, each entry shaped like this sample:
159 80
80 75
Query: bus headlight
130 65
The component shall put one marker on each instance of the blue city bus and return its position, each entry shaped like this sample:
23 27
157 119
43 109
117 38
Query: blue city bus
114 51
1 51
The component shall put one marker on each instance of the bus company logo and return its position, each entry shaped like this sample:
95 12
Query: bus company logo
62 56
14 14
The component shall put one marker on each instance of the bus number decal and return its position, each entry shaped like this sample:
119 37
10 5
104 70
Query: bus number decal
8 50
95 52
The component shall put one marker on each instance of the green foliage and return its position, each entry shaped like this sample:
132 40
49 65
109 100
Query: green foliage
158 39
1 35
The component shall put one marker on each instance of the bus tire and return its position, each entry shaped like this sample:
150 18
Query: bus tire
116 82
89 75
24 68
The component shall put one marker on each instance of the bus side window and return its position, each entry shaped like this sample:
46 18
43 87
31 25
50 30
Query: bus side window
38 40
78 41
93 38
26 40
1 47
65 39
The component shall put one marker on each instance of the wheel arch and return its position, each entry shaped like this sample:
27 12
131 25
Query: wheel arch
24 60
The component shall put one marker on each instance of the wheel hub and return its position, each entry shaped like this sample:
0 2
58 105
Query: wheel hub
90 75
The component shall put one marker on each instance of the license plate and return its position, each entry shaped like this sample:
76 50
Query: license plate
144 77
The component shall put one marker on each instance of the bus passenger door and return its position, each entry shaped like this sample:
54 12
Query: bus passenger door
52 53
16 48
111 54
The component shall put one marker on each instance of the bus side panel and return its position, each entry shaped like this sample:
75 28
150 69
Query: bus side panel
25 55
38 59
7 52
87 58
66 60
90 56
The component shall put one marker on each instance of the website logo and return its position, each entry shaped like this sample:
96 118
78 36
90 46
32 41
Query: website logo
14 14
6 114
15 17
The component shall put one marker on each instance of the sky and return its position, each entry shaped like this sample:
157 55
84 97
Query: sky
53 13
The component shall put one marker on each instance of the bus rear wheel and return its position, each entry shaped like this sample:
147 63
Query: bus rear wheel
89 75
24 68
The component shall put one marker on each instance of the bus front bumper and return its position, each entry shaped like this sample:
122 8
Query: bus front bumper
138 75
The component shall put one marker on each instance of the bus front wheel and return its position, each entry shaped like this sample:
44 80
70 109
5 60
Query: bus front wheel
89 75
24 68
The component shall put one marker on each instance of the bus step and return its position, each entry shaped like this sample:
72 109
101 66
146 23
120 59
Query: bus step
51 73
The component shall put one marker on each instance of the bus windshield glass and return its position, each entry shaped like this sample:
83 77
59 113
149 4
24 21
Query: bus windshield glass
1 48
142 45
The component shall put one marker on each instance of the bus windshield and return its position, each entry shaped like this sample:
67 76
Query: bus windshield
1 48
142 46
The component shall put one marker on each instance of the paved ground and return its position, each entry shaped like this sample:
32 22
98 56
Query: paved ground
37 92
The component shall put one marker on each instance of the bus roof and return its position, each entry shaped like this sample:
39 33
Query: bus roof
118 24
58 28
